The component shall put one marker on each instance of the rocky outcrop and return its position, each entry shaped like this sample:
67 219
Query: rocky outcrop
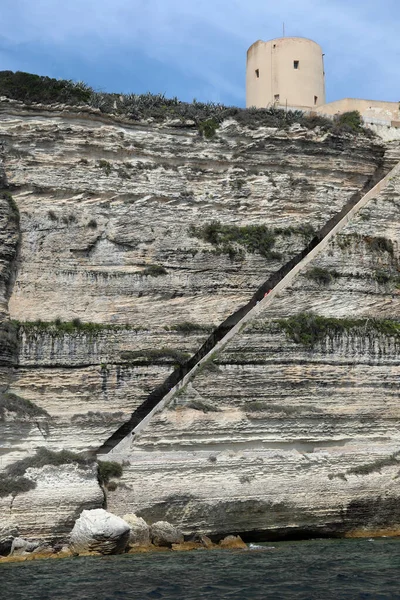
165 534
50 504
140 532
99 531
233 542
8 533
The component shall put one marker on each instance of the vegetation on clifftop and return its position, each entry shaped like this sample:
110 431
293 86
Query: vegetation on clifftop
30 88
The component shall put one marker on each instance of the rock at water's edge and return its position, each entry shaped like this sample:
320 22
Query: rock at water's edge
99 531
233 542
140 531
164 534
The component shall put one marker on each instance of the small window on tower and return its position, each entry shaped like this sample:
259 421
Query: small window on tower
315 100
296 64
276 97
257 73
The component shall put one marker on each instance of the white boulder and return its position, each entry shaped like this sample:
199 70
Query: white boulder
140 531
99 531
164 534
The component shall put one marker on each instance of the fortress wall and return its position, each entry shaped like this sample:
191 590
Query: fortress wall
374 111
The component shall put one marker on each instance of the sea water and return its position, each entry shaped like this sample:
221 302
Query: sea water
315 569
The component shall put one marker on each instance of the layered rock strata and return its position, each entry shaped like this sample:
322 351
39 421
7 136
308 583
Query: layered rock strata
292 429
117 259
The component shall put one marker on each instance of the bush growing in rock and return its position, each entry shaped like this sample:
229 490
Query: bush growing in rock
108 469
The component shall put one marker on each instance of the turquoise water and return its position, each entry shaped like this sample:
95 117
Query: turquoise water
315 569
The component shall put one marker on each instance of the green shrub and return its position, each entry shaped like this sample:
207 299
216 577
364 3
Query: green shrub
201 405
208 128
371 467
108 469
375 465
189 327
36 88
254 238
381 277
154 271
154 356
380 244
350 120
321 276
13 206
308 329
59 328
105 165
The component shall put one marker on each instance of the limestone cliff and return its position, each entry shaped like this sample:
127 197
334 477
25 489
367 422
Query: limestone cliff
137 239
291 428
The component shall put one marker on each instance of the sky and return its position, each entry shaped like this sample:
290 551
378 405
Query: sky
196 49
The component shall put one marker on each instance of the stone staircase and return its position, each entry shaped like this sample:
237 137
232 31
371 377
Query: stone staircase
122 439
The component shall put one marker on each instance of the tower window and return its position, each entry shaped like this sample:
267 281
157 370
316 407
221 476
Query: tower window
315 100
276 97
296 64
257 73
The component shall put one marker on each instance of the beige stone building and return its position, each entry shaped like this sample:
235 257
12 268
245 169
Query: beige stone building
285 72
289 73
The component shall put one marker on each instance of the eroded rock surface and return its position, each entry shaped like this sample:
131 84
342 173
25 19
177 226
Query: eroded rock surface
111 240
99 531
293 427
165 534
140 531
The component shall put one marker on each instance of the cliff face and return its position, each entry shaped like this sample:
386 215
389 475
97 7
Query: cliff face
292 428
136 240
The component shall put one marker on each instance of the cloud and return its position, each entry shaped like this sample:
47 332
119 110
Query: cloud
203 42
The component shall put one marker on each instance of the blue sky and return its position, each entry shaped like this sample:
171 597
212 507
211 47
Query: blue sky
197 48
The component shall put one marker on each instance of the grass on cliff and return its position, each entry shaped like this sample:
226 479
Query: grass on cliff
188 327
13 480
258 239
308 328
154 271
58 328
206 117
155 356
322 276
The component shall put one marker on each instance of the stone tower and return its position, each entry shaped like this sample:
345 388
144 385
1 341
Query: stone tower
287 71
